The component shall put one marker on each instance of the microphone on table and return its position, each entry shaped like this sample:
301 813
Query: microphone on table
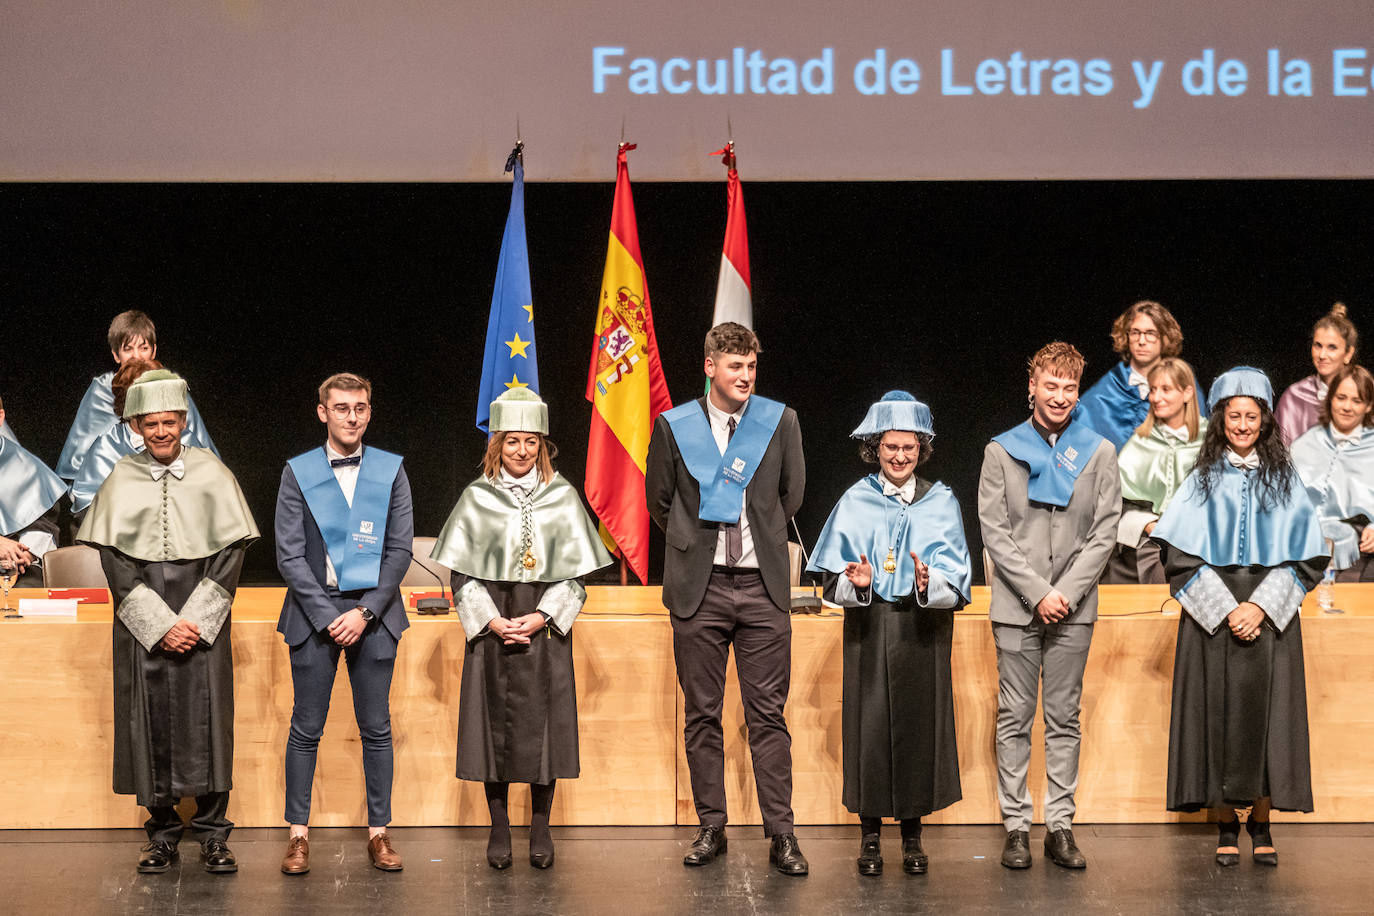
805 604
433 606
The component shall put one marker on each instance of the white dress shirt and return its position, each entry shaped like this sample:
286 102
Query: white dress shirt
348 482
1139 383
720 429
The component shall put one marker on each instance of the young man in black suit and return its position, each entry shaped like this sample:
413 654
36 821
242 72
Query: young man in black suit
344 535
724 474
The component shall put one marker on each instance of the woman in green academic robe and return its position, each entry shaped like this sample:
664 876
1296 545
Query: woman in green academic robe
519 543
1154 462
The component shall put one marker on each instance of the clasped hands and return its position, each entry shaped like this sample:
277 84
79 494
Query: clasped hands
13 553
860 574
1245 621
182 637
348 627
517 630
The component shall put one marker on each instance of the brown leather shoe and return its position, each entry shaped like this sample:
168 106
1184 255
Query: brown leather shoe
297 860
382 855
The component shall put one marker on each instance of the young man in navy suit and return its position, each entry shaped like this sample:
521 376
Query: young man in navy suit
344 532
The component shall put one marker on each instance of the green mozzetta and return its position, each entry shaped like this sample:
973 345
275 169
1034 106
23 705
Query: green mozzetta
169 519
1153 468
485 535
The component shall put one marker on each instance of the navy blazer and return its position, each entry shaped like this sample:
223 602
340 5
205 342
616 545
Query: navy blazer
311 606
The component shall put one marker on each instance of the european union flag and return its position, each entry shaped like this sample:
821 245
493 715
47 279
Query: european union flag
509 361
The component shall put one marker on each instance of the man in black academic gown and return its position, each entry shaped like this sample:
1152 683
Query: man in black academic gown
171 526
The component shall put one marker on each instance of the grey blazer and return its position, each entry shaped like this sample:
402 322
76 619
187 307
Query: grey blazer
1037 547
773 496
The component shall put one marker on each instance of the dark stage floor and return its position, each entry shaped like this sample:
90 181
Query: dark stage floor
632 870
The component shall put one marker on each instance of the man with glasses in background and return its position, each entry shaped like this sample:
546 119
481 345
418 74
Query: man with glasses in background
344 531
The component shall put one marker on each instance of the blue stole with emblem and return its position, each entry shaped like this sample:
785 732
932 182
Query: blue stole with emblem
1053 471
28 489
1231 528
865 521
723 478
353 536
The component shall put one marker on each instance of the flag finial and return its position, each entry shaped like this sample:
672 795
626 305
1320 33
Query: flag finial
517 154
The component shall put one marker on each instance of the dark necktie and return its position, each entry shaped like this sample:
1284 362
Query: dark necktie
346 462
734 534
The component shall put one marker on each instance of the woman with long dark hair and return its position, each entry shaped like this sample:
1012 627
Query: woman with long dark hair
1241 547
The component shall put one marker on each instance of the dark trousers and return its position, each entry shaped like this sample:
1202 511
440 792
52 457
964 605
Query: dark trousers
313 665
164 823
737 609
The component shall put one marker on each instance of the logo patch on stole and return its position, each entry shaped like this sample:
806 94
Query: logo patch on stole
738 465
1071 453
364 527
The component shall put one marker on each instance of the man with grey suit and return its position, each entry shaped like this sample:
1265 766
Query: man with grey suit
1048 500
724 474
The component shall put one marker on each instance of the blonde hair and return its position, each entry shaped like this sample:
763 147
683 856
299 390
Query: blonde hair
1181 374
491 461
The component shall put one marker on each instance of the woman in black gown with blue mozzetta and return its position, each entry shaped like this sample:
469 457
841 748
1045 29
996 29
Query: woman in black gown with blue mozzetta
897 560
1241 545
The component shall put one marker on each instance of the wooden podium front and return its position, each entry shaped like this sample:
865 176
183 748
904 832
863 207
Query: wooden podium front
56 719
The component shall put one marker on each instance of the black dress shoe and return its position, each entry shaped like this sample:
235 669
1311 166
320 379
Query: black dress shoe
1061 848
786 855
217 857
1259 836
499 861
706 845
156 857
914 860
1228 834
541 859
1016 850
870 855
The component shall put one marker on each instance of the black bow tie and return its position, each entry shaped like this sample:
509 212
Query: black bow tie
346 462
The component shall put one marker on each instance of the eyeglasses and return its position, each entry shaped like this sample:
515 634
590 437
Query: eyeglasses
906 451
342 411
1136 334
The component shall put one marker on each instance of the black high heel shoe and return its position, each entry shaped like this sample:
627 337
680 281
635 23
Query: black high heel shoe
1228 834
1259 836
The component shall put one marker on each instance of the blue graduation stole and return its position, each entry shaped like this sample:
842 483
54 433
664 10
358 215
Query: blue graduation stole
1053 471
27 488
353 536
723 478
865 521
1231 528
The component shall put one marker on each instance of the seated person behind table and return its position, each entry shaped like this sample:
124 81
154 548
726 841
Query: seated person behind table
131 336
1116 404
1336 463
1154 463
29 493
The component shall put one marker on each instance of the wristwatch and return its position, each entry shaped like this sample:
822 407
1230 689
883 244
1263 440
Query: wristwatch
368 616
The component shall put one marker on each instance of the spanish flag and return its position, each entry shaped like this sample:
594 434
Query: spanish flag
625 385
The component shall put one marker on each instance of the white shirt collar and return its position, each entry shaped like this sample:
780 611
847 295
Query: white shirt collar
1350 438
333 455
720 417
1139 383
1178 432
906 492
158 470
1322 388
1249 463
525 483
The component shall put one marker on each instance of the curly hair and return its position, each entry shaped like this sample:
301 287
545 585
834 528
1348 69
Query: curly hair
1364 384
731 337
1061 359
868 447
1276 472
1170 334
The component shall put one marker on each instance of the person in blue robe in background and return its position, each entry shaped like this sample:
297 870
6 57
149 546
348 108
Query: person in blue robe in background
1118 402
1241 545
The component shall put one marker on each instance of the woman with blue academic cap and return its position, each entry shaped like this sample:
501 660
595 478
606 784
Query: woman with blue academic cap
898 562
1241 546
1336 462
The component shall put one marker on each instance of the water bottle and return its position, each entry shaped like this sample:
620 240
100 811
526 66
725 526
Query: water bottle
1326 591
